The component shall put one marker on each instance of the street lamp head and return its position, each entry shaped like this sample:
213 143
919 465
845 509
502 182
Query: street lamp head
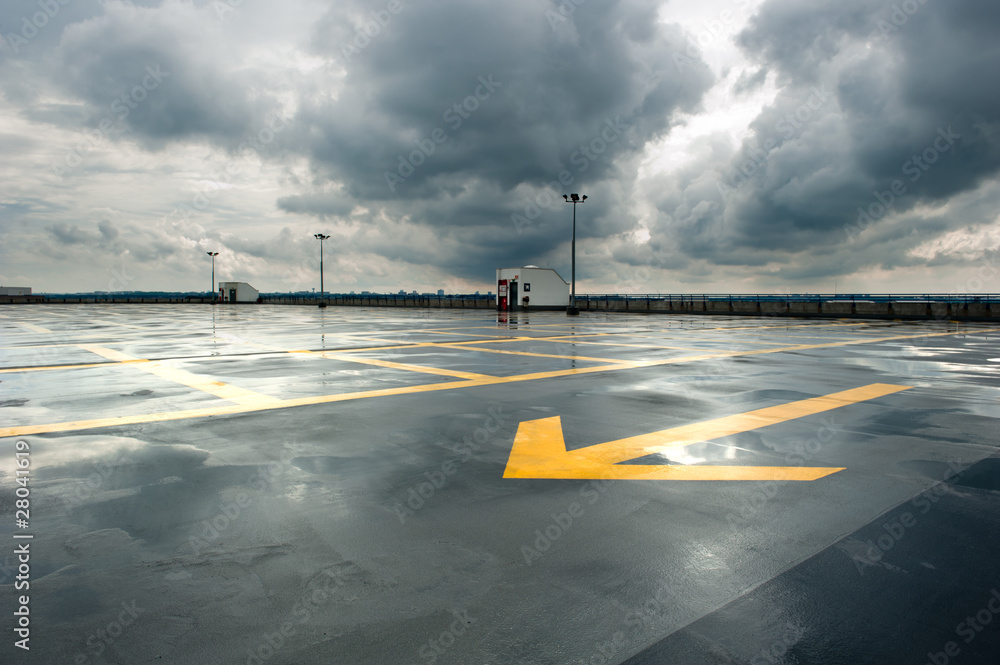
584 197
566 198
213 254
320 236
575 197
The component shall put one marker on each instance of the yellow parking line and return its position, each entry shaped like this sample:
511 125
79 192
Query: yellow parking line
538 355
560 340
42 368
472 376
446 385
31 327
157 368
34 346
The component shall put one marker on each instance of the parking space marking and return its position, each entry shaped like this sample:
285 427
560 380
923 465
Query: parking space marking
539 355
31 327
42 368
458 374
158 368
251 404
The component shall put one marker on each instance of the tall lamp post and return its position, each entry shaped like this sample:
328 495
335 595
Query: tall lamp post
321 238
215 295
574 199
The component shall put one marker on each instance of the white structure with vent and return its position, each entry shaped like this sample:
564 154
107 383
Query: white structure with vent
531 288
237 292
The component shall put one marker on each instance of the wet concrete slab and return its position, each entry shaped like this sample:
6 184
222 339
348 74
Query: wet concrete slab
208 496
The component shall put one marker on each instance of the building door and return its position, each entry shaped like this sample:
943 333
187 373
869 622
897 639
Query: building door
513 295
232 295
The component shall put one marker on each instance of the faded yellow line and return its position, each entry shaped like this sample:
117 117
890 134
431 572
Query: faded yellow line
457 374
537 355
442 332
35 346
43 368
559 340
121 325
25 430
33 328
342 355
218 388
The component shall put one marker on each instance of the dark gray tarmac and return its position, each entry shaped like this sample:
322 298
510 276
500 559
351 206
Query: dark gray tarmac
290 485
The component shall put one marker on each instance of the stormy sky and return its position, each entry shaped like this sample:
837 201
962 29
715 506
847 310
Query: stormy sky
725 145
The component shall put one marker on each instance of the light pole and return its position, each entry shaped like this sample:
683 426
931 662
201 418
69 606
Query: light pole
574 199
321 238
215 295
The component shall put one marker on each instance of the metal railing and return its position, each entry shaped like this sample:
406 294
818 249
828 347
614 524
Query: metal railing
797 297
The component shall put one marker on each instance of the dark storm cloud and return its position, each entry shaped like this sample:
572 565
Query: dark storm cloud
511 93
159 74
882 106
449 109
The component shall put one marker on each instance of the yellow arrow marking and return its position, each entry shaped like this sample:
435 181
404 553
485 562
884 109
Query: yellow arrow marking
539 449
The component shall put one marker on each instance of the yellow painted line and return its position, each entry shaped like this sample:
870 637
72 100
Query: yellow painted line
537 355
121 325
33 328
539 449
25 430
341 354
35 346
622 450
559 340
395 347
43 368
457 374
157 368
442 332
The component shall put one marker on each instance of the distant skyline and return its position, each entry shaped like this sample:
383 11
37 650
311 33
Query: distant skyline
725 145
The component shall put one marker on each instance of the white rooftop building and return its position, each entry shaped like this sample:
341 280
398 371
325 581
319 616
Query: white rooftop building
531 288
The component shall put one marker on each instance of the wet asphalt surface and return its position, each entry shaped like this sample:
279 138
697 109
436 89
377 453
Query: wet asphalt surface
203 490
